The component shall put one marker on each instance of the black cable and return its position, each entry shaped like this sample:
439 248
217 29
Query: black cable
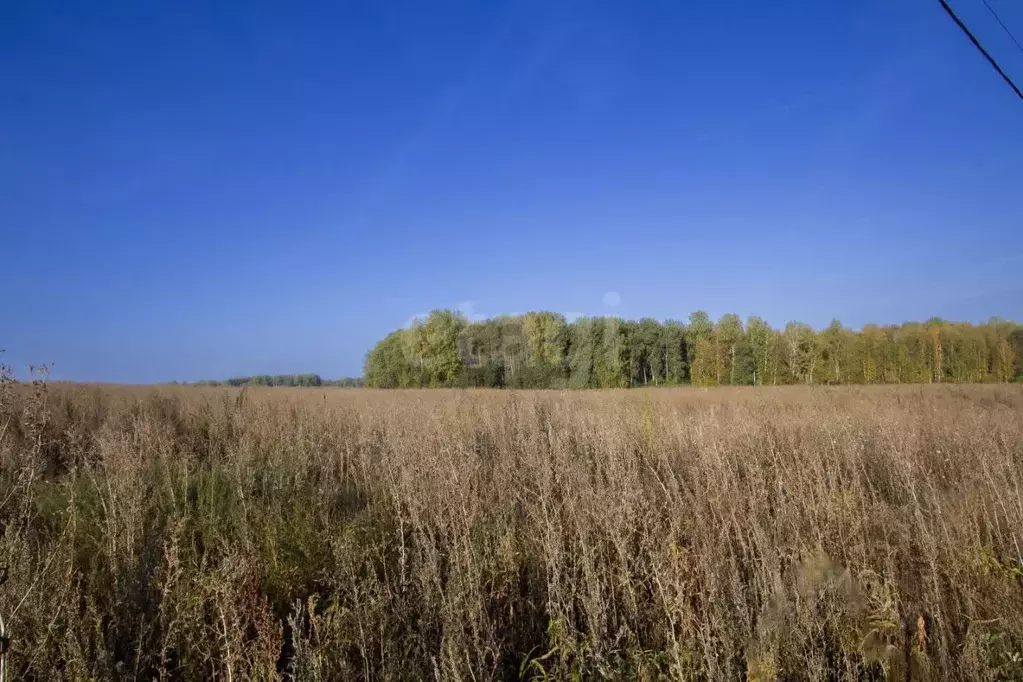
977 44
1002 24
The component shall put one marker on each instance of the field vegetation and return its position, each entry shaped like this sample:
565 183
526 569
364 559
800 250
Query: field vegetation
185 533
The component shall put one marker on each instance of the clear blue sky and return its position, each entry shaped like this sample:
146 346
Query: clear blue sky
199 189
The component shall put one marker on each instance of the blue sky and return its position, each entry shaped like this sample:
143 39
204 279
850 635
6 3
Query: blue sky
200 190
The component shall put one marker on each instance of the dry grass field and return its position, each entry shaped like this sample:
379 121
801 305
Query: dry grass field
309 534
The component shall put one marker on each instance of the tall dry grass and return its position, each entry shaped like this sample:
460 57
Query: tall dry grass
183 533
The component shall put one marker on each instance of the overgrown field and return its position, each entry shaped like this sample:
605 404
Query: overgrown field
789 533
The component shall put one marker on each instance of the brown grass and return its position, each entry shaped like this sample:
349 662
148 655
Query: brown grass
795 533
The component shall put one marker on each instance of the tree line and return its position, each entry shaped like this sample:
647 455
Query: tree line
544 350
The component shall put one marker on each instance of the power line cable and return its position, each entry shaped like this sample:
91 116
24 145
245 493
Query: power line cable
976 43
1002 24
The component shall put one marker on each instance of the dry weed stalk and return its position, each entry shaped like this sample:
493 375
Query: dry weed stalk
762 534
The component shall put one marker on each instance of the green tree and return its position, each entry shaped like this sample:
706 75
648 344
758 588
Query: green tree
761 344
802 353
646 355
728 335
480 352
673 344
583 340
833 353
546 337
1016 339
613 371
703 346
435 345
387 364
514 354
